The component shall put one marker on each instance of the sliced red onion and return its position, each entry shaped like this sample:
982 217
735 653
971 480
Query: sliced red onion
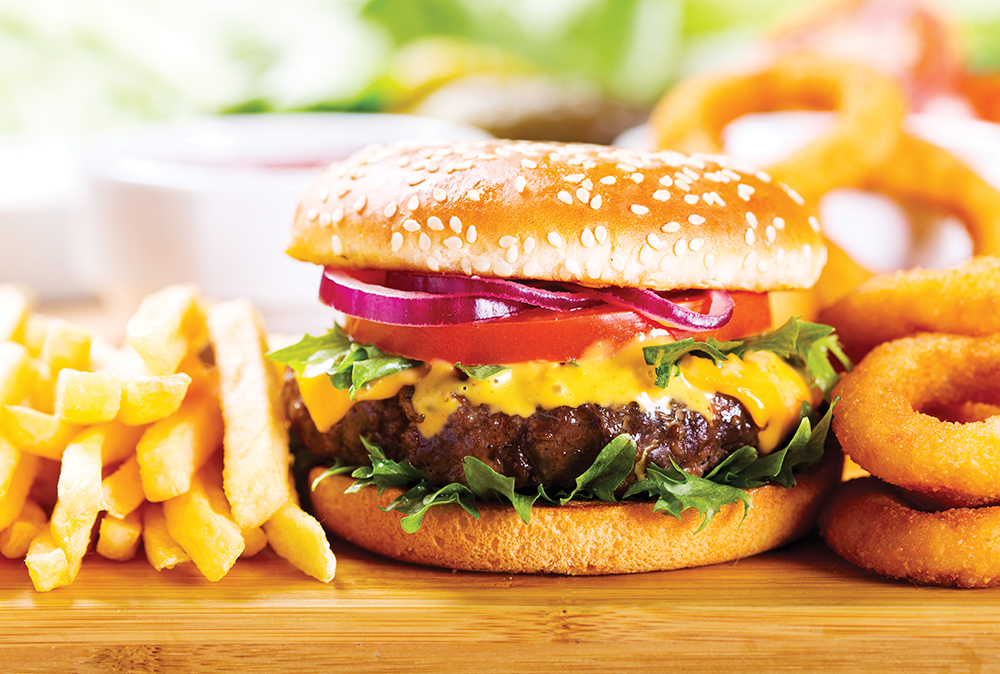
374 302
501 289
654 305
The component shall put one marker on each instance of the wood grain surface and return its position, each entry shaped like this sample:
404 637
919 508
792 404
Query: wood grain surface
797 609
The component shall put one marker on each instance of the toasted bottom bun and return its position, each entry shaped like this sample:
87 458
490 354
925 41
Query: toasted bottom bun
581 538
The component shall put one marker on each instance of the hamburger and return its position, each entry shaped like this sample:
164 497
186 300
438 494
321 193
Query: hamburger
559 358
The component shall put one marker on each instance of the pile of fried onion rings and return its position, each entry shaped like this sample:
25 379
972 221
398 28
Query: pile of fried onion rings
916 413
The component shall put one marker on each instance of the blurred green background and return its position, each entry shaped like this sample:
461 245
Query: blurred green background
80 66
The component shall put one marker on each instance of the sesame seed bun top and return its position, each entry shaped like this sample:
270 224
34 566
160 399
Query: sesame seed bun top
564 212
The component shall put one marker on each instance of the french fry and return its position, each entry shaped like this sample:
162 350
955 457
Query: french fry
116 441
16 539
298 537
15 306
118 538
254 540
172 450
148 399
255 441
202 524
87 397
35 432
65 346
166 325
80 492
17 375
47 563
123 489
162 550
17 472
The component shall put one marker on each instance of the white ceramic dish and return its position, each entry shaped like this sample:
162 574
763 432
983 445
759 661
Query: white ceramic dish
211 200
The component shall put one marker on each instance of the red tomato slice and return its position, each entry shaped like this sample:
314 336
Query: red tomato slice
543 335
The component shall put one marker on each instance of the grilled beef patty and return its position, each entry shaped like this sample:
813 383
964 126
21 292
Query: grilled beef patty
551 447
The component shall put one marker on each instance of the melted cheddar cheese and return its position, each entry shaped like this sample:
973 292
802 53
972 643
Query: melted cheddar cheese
771 390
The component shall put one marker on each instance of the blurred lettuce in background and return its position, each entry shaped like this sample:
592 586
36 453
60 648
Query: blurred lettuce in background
77 66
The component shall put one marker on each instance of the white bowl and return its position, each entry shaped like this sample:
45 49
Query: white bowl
211 200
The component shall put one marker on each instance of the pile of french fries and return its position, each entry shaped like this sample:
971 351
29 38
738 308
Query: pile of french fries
174 441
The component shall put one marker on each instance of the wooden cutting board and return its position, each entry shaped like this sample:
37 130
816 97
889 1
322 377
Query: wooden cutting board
801 608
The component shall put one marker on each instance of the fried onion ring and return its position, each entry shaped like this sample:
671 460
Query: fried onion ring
692 116
882 425
869 524
964 300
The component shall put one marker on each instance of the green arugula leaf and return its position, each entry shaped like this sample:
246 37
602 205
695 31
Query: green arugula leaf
676 491
665 357
612 465
348 364
486 482
481 372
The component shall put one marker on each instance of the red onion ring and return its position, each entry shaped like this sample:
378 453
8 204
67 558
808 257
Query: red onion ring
401 298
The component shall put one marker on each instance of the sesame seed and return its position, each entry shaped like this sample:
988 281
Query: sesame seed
511 255
529 245
666 181
588 184
415 180
583 195
336 244
696 244
771 232
653 240
691 198
529 163
470 234
481 263
503 269
440 195
520 183
637 178
618 261
750 236
473 195
574 178
424 242
434 223
324 194
554 239
670 227
506 241
396 242
411 225
593 268
338 214
461 166
433 264
713 198
390 209
680 247
696 219
639 210
531 268
745 191
601 234
452 242
455 224
661 195
432 167
608 180
341 188
324 219
403 161
587 237
466 266
626 168
813 222
807 251
565 197
360 204
414 203
596 202
731 174
796 197
682 183
763 177
752 219
690 174
573 267
709 260
645 254
312 214
750 260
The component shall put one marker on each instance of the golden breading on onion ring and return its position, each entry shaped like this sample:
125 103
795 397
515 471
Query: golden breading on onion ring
869 524
871 107
882 425
964 300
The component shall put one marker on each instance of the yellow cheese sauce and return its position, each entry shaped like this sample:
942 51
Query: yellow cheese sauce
770 389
